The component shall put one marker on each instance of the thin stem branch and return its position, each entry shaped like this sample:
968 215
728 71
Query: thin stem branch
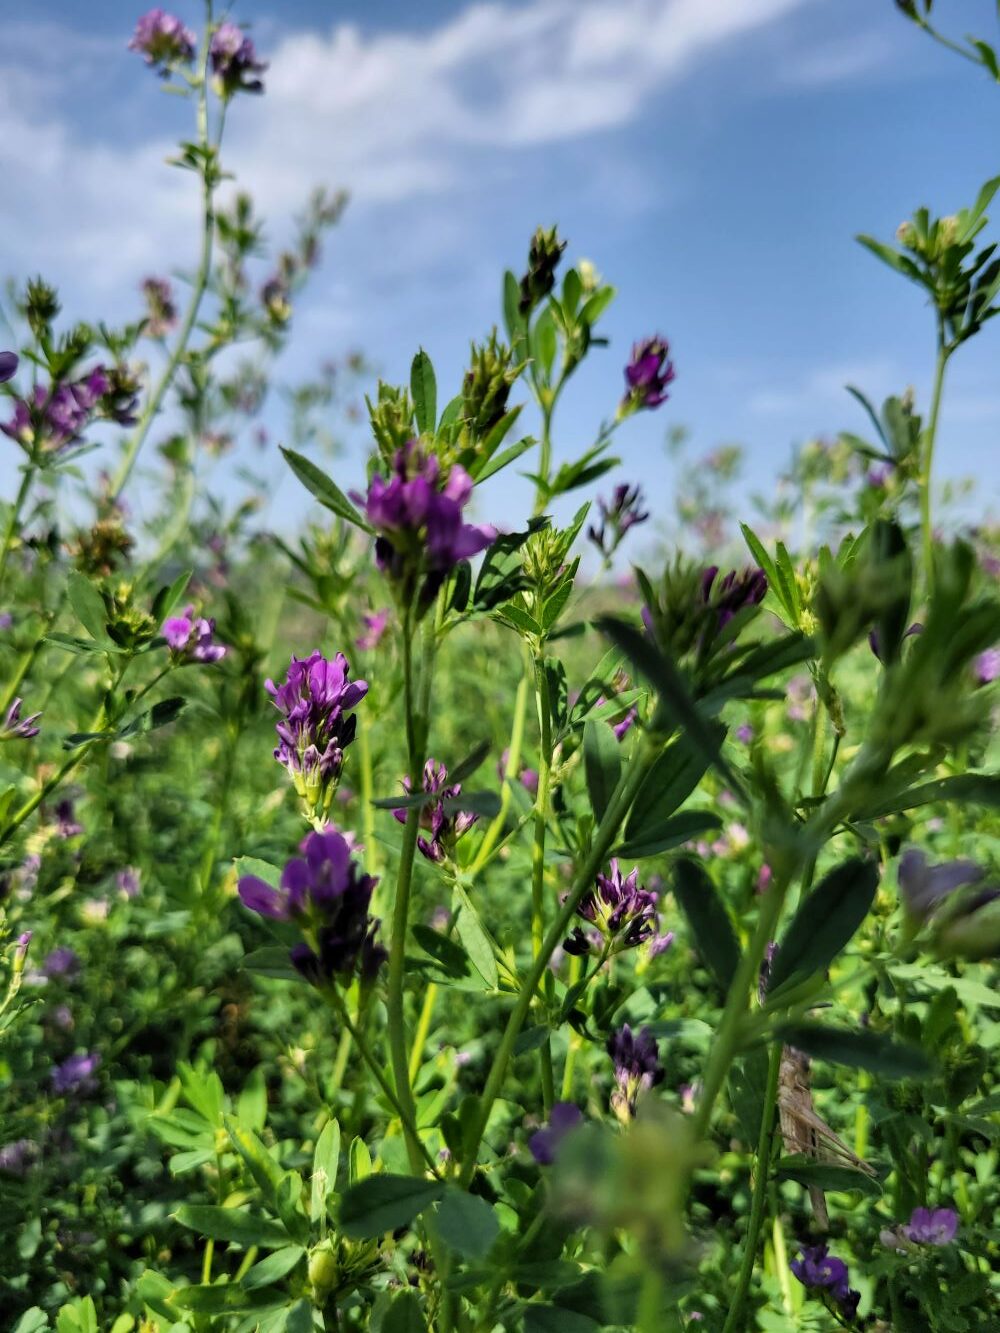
927 464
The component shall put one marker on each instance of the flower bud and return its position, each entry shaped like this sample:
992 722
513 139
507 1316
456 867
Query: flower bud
543 260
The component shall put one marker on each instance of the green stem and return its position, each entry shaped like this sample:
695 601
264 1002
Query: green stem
543 705
927 464
15 514
603 840
485 848
759 1199
208 184
406 1114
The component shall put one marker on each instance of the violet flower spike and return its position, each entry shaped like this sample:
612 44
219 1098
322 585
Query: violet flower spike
76 1074
17 728
623 912
234 62
924 887
544 1143
8 366
445 827
315 699
647 376
327 895
637 1069
163 41
932 1226
190 638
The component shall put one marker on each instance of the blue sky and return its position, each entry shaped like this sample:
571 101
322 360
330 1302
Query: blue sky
713 158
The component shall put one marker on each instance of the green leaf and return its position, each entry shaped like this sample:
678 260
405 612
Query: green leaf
475 939
384 1202
669 783
168 596
262 1166
824 923
503 458
857 1047
326 491
203 1089
232 1224
470 763
825 1175
710 925
674 832
271 961
596 305
300 1317
423 390
964 789
554 1319
32 1321
466 1223
273 1268
359 1161
251 1105
484 803
602 762
404 1315
78 646
88 604
326 1158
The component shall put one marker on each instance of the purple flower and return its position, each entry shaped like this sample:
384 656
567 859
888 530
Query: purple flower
744 733
623 912
544 1143
987 666
6 620
924 887
8 366
163 40
17 728
128 882
17 1157
444 824
528 777
189 638
67 825
623 512
61 962
375 626
818 1270
234 61
647 376
735 592
417 514
55 420
76 1074
637 1068
932 1226
161 311
327 895
315 730
874 642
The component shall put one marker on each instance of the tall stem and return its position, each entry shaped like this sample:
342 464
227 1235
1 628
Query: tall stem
209 174
759 1199
544 458
604 837
15 514
927 465
543 704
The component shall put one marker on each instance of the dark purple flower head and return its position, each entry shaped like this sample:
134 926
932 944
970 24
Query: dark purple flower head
818 1270
735 592
61 962
327 895
190 638
234 61
8 366
417 514
924 887
618 515
76 1074
17 728
67 824
55 419
161 310
17 1157
986 666
647 376
932 1226
163 41
376 623
544 1143
128 882
637 1068
874 642
315 730
444 824
623 912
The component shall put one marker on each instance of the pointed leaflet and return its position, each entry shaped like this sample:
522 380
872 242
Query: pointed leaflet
858 1048
603 763
326 491
423 389
710 925
825 922
381 1203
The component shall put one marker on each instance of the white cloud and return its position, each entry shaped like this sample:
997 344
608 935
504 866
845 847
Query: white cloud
393 115
819 389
